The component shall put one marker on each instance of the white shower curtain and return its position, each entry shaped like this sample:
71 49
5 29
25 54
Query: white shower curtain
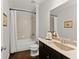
13 32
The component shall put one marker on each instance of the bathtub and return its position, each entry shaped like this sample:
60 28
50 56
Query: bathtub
24 44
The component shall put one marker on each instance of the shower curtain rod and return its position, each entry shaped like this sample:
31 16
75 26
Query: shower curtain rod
22 10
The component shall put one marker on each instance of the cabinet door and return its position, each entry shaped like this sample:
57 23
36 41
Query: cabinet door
43 54
53 53
55 56
64 57
47 55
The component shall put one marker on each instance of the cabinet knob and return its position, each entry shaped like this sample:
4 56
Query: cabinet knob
47 57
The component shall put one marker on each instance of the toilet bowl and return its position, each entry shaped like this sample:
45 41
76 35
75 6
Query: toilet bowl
34 50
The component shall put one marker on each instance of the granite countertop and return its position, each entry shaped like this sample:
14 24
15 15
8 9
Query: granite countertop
72 54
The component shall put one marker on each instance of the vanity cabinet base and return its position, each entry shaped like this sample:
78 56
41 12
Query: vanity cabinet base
46 52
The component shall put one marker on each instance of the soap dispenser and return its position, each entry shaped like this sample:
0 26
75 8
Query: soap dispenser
49 35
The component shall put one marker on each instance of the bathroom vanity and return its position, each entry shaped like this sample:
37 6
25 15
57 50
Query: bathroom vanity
48 50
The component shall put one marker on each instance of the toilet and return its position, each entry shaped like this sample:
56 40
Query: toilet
34 50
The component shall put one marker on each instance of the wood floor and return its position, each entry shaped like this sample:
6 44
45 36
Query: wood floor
22 55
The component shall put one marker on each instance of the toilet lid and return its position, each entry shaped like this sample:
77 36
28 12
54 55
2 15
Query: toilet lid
34 47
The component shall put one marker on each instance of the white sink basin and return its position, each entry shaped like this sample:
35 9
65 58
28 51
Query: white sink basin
63 46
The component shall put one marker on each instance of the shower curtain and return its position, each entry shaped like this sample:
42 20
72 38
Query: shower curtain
22 27
13 31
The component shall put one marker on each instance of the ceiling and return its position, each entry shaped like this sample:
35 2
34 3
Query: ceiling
24 4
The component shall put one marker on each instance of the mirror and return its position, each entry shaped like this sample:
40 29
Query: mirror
63 20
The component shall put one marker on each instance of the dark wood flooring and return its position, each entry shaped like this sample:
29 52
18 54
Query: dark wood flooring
22 55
